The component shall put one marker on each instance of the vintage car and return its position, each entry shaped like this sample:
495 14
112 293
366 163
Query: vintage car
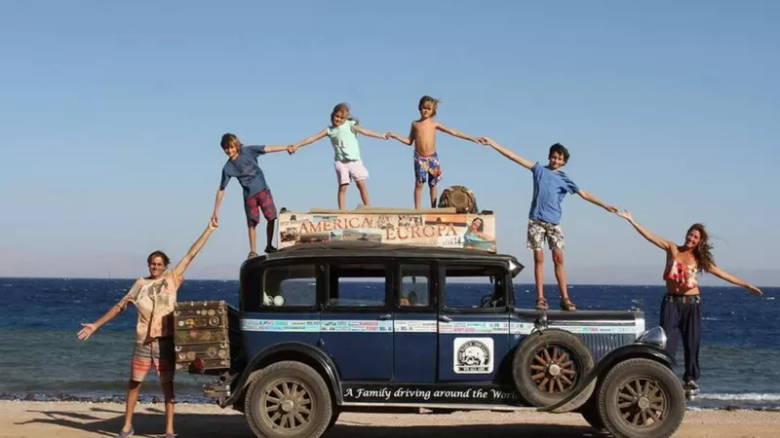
324 327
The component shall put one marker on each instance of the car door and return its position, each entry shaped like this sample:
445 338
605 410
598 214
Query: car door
279 304
415 323
356 324
473 320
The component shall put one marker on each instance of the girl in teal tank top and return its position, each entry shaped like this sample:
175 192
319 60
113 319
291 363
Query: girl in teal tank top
349 167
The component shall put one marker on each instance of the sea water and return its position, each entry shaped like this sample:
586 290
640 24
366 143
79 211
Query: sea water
41 358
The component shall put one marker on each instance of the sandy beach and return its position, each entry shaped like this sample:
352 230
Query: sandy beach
25 419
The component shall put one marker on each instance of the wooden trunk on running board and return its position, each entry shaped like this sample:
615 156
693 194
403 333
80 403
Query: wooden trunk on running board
206 330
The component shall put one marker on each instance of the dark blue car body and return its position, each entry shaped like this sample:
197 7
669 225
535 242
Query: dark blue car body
413 334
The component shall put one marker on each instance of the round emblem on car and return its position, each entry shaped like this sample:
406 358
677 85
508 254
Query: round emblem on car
473 356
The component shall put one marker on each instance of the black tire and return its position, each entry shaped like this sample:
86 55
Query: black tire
644 389
590 412
553 360
300 396
334 418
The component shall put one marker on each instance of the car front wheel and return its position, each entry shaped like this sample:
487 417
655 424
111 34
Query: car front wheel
641 398
288 399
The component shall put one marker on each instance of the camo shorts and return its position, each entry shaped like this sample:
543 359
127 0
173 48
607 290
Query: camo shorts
539 231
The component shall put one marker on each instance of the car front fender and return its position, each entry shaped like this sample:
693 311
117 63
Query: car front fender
586 386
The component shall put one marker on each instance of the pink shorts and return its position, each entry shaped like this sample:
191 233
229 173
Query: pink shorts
347 171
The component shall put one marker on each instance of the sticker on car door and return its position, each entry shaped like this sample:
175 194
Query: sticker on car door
473 355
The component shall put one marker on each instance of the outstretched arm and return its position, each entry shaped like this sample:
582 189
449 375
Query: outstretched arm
506 152
370 133
655 240
716 271
88 330
270 149
591 198
310 140
178 271
455 133
218 202
405 140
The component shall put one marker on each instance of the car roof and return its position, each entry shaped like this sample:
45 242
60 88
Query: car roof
376 249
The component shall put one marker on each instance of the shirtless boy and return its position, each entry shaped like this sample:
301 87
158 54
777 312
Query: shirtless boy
426 160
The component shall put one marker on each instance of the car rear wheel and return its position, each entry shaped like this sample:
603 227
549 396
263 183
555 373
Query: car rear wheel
641 398
288 400
548 365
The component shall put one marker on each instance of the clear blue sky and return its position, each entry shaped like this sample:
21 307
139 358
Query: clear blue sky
111 114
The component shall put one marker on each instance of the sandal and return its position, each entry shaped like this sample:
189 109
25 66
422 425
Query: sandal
125 434
568 305
541 304
251 255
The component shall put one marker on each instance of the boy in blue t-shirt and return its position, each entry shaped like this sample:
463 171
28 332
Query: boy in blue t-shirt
242 164
550 188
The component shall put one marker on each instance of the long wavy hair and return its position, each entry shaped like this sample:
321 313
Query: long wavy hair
703 251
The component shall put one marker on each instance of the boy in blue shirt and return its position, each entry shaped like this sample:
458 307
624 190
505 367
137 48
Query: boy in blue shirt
242 164
550 188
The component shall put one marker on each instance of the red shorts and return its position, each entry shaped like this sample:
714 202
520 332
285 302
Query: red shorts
262 201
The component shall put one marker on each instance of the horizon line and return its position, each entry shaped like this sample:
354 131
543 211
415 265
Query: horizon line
570 285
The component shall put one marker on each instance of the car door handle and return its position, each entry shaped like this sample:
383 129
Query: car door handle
445 318
385 317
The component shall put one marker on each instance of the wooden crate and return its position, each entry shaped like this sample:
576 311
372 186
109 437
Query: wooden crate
209 331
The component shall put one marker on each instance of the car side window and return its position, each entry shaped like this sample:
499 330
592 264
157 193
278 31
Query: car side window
290 286
474 287
357 285
415 279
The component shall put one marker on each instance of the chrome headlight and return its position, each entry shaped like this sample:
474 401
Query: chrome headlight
654 336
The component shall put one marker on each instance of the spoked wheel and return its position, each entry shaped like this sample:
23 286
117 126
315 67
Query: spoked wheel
641 398
286 405
548 365
641 402
555 369
290 400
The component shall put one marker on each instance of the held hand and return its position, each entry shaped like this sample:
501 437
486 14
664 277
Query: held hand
291 149
389 135
611 209
625 214
485 141
386 136
213 223
86 331
754 290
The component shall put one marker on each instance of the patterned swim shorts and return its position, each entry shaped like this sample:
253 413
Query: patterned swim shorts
427 168
159 352
262 201
539 231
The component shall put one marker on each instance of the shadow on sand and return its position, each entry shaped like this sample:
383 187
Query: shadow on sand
150 424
